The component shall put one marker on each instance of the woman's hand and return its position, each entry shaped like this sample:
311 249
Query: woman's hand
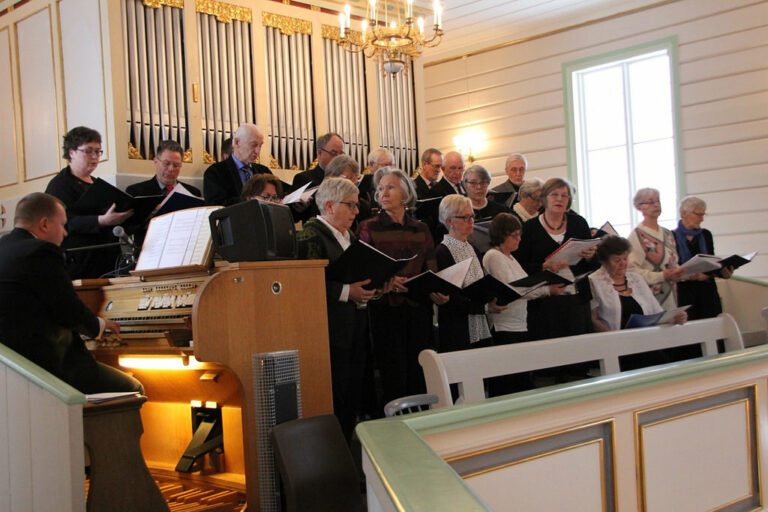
589 253
494 308
554 265
673 274
726 272
359 294
113 218
396 285
681 318
698 276
556 289
439 298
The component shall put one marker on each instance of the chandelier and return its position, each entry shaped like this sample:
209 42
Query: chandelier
391 38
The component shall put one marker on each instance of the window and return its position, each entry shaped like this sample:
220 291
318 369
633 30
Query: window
622 133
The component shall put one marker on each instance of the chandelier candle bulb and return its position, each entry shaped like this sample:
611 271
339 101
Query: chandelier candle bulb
372 5
348 15
341 25
420 24
409 9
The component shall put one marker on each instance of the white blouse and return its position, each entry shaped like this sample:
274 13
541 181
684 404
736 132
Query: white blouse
506 269
605 298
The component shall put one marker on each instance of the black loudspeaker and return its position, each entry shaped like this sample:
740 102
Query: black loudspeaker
254 231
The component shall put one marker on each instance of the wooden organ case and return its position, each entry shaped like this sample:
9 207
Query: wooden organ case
210 325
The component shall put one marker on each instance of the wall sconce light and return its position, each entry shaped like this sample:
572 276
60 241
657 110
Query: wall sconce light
469 143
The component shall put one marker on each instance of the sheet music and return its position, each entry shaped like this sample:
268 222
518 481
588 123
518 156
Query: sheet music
297 195
177 239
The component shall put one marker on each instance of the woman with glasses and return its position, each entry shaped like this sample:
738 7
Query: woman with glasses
476 181
528 200
699 290
263 187
510 325
566 314
326 237
400 327
654 251
82 149
461 323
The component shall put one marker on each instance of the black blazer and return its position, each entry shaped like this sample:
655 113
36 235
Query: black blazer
443 188
40 313
422 188
152 188
317 242
83 229
314 176
222 184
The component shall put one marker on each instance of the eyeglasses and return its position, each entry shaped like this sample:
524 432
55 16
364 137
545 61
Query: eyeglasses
173 165
269 197
476 183
654 201
90 151
465 218
333 153
556 195
350 205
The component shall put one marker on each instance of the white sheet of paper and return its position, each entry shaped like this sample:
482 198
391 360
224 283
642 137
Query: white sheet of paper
570 251
176 239
296 195
700 263
456 273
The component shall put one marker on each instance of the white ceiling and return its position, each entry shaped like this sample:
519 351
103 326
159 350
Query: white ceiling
475 24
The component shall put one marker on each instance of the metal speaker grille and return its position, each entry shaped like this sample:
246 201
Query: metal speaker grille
277 391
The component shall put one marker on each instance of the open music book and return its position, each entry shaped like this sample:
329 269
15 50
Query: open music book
447 281
570 251
665 317
362 261
178 239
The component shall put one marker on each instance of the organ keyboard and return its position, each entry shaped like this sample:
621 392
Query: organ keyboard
211 324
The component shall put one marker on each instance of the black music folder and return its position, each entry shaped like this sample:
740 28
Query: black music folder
420 286
488 288
543 277
176 201
734 261
360 262
101 195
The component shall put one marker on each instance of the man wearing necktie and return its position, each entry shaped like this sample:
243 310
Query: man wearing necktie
453 171
223 181
168 158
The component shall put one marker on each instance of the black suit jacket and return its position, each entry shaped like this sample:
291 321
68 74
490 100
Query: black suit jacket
40 313
83 229
222 184
152 188
314 176
442 188
422 188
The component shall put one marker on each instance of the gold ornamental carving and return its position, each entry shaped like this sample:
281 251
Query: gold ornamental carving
273 163
134 153
207 158
285 24
223 11
332 33
187 156
156 4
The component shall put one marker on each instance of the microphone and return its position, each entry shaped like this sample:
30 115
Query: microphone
127 246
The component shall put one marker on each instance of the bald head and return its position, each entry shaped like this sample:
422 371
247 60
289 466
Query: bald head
247 142
453 167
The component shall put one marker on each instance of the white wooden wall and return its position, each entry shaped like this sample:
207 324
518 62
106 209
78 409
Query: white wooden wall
41 444
515 95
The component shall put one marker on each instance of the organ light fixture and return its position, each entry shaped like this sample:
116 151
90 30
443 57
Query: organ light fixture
389 34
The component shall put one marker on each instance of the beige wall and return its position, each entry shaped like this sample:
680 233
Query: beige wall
514 94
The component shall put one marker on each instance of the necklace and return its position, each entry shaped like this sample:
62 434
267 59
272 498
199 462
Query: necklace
558 228
621 287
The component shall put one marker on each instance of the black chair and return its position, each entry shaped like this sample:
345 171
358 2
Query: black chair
316 466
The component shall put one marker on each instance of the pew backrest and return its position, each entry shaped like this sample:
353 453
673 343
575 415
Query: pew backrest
41 439
468 368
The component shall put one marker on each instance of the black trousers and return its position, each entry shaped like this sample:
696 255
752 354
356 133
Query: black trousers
399 334
347 367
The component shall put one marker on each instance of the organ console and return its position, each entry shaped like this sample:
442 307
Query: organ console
191 337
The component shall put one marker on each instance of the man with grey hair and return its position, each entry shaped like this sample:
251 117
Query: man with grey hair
379 157
223 181
429 171
515 168
329 146
453 172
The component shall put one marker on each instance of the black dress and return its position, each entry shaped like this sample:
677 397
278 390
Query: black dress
701 295
559 315
83 230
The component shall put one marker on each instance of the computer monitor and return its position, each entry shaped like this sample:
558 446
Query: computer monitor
254 231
